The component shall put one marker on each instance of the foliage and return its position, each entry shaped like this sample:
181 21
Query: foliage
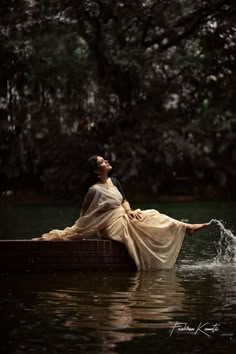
149 84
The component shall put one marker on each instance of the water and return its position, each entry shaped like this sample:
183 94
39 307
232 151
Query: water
226 250
189 309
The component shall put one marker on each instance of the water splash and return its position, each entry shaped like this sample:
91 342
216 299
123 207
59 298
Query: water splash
226 247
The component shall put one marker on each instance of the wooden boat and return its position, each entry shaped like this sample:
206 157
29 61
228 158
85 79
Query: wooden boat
95 255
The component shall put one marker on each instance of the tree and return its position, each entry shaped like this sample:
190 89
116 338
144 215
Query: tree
150 84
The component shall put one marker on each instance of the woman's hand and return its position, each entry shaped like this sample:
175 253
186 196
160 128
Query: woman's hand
135 214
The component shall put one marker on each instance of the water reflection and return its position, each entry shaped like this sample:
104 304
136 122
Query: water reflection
83 312
100 312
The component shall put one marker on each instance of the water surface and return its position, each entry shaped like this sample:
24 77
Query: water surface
189 309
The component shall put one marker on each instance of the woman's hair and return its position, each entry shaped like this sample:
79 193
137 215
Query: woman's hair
89 177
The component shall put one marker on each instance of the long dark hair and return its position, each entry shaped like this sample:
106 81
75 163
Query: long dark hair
89 177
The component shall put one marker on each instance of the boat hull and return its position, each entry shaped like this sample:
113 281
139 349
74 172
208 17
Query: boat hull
95 255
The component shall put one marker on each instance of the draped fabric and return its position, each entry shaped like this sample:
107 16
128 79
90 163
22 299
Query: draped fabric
153 242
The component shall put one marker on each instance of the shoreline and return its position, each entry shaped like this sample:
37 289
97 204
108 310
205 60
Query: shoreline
35 198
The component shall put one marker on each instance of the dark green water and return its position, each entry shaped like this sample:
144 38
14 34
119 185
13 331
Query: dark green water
189 309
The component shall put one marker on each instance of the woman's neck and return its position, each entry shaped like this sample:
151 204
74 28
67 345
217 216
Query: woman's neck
103 178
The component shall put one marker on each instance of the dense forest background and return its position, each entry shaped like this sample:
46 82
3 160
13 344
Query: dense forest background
151 85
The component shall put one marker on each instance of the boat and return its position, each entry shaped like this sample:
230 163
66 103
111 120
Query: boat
86 255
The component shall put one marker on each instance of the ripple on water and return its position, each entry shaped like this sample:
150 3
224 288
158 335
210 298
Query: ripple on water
77 313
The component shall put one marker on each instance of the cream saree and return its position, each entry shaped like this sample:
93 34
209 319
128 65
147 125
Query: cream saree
153 243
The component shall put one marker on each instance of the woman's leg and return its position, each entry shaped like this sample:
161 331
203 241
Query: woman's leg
191 228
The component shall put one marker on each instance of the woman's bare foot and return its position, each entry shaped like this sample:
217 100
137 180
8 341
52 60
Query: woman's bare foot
191 228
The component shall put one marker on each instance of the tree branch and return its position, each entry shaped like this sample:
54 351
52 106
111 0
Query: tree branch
188 23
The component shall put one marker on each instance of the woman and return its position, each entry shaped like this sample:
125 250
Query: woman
153 240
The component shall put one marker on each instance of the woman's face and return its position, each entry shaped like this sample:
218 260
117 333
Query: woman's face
103 165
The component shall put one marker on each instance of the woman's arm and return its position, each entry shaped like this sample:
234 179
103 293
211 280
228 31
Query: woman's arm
137 214
126 205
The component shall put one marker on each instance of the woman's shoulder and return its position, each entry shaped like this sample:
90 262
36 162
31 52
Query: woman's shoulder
92 192
93 188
